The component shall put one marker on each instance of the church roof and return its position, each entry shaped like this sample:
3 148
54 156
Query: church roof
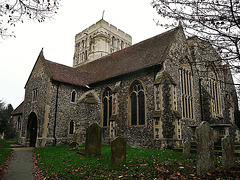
19 109
142 55
66 74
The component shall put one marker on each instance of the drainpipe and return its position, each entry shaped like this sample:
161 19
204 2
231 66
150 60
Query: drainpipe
55 117
200 91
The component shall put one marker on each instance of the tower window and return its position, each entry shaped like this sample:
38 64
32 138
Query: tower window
121 44
113 39
86 55
83 44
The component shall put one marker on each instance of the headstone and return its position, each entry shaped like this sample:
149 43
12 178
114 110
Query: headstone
77 137
118 151
93 140
228 153
186 148
205 149
73 146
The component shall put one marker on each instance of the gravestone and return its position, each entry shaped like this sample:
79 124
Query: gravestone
186 148
78 137
228 153
118 151
205 149
93 140
73 146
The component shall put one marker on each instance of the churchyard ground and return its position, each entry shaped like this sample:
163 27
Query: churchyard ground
5 153
58 162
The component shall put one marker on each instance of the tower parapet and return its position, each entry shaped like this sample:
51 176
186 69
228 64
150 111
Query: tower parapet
99 40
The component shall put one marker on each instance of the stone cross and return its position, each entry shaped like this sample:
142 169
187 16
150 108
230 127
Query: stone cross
228 153
186 148
205 149
93 140
118 151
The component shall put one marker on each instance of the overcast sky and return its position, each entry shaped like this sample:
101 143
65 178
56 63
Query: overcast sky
56 36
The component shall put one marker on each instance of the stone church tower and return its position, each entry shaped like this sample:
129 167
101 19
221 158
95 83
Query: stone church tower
97 41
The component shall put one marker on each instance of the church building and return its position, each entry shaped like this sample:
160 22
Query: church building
153 93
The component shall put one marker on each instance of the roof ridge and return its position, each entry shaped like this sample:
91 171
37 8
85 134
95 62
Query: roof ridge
132 46
145 54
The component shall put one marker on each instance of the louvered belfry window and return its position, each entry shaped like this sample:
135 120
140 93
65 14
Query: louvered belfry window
137 97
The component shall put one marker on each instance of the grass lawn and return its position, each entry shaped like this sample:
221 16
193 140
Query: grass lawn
58 162
6 143
4 153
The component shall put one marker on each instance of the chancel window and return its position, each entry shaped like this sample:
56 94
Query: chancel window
137 99
186 82
73 96
215 91
107 106
71 127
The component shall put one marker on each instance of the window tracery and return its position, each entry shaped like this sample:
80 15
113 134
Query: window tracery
107 106
186 84
137 99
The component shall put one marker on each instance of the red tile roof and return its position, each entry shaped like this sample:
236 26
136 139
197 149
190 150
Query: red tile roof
145 54
66 74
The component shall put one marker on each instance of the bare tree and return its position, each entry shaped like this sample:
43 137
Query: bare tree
13 11
217 21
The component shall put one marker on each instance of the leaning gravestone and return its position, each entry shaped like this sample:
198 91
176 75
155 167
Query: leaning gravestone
78 137
228 153
118 151
186 148
73 146
93 140
205 149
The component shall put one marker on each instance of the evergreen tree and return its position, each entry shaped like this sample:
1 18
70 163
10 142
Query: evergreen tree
6 125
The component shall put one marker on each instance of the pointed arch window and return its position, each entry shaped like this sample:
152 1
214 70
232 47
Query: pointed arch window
214 90
137 105
186 84
107 106
73 96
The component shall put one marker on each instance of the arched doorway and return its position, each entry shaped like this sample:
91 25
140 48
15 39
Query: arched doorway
32 129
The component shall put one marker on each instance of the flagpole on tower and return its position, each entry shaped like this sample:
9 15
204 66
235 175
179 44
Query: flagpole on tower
103 14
